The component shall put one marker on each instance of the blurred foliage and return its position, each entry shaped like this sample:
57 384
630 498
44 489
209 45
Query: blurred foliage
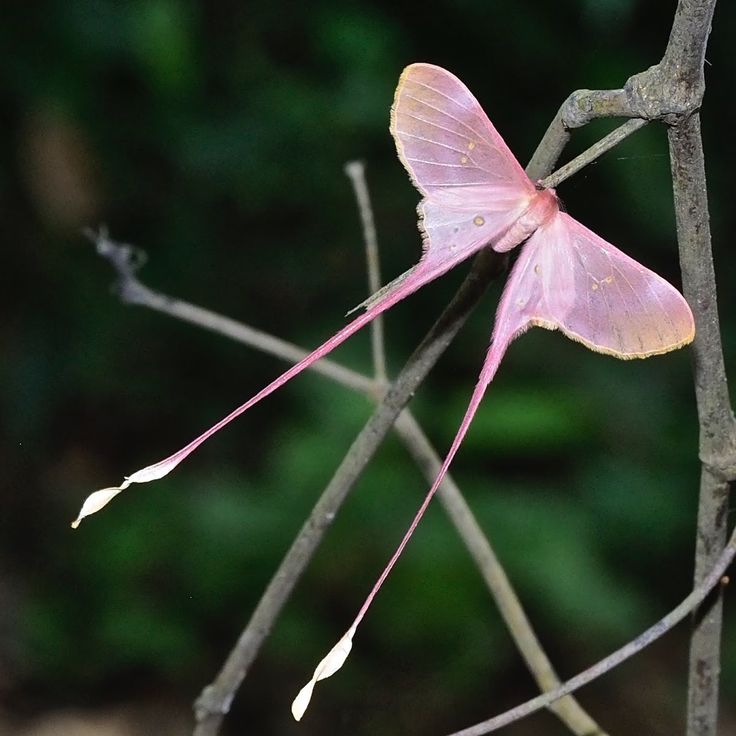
213 135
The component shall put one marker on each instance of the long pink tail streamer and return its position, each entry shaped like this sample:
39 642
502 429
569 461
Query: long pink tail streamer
336 657
493 360
402 287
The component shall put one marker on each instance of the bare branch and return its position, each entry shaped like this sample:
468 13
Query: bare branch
646 96
620 655
667 91
454 503
717 427
132 291
215 700
683 69
579 109
594 152
356 172
567 709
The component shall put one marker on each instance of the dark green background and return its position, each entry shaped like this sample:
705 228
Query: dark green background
213 135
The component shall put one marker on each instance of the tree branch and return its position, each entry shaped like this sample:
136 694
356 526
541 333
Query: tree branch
683 64
215 700
620 655
132 291
591 154
567 709
667 91
717 427
356 173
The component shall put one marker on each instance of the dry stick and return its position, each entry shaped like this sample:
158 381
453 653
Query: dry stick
717 429
684 61
132 291
595 151
672 91
635 100
216 698
566 708
613 660
356 173
580 108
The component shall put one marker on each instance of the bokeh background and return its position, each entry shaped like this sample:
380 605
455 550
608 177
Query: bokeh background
213 136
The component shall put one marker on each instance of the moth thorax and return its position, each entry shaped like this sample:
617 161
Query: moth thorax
541 208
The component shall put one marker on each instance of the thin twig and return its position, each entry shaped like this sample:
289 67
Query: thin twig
580 108
132 291
683 62
591 154
567 709
356 173
620 655
717 428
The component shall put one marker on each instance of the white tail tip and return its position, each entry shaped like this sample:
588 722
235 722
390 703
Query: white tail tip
97 500
328 666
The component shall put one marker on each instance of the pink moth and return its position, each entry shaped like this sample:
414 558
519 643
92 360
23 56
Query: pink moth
476 195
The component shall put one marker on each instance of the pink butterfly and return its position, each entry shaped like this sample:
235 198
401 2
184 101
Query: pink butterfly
476 195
